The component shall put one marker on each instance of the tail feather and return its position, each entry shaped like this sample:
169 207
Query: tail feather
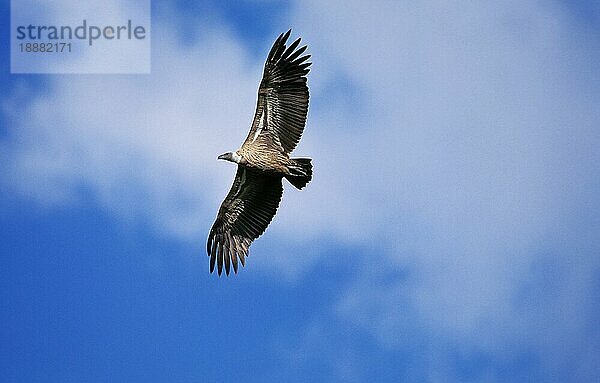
300 172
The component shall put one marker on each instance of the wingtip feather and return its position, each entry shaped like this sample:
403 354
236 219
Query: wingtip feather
227 250
220 258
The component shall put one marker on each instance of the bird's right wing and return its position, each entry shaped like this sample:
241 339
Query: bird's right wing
244 215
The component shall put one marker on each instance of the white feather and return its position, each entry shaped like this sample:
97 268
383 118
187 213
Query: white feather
261 125
236 157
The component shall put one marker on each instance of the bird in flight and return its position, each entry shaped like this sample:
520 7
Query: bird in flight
264 160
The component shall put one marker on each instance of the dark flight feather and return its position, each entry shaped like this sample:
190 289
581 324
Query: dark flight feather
244 215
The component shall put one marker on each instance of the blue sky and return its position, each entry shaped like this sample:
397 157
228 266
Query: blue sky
451 232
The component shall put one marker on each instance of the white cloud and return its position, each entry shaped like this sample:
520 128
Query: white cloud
462 152
476 155
146 146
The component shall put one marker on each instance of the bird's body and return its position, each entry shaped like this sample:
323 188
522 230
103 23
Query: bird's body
264 158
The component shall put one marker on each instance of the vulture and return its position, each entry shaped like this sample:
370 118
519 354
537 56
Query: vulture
264 160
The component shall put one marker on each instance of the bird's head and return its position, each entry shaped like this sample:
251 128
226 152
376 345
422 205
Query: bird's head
230 156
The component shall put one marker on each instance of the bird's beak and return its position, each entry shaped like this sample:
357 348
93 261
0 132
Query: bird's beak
222 157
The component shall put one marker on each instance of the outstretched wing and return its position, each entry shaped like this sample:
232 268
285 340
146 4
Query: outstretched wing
282 96
244 215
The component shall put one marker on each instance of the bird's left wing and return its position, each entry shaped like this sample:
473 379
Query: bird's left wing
243 216
282 103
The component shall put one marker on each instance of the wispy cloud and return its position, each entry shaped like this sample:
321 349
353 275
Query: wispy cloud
139 145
